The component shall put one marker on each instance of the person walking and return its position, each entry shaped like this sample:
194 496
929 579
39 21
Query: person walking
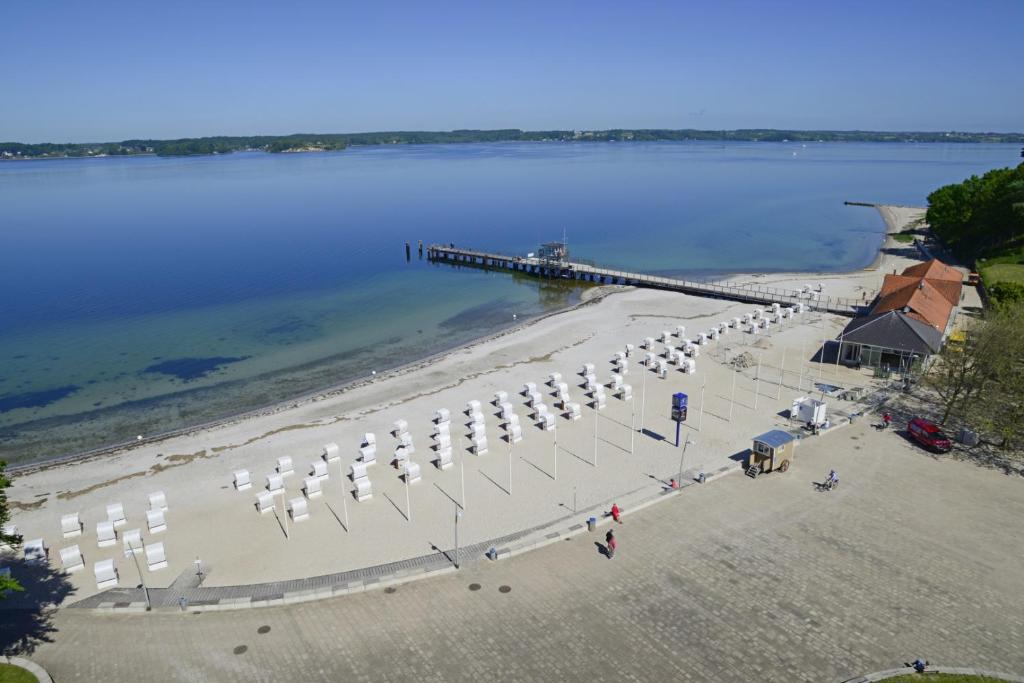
610 541
616 512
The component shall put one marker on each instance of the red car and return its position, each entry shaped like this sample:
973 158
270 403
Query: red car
929 435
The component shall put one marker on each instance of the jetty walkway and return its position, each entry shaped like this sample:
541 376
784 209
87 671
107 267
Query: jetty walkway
585 272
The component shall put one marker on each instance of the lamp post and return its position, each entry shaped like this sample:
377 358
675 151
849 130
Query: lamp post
408 507
595 436
782 374
683 455
757 382
643 398
700 418
732 396
142 579
555 468
458 514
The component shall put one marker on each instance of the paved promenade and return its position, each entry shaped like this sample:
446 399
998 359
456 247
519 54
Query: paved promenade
738 580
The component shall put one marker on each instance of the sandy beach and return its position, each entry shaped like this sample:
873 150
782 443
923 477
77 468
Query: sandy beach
599 458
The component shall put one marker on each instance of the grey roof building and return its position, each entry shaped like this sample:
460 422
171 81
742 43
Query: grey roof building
889 338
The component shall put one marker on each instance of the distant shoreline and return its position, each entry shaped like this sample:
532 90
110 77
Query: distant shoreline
332 142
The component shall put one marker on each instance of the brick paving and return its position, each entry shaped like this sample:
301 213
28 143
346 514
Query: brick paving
738 580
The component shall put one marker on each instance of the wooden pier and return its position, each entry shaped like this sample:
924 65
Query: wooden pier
570 270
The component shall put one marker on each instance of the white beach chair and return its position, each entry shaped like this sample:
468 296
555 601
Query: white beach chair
115 514
311 487
400 427
690 366
442 416
573 412
702 338
472 407
357 470
529 388
648 343
507 411
477 431
500 397
406 441
477 418
616 382
363 490
318 469
444 459
662 368
284 466
625 392
515 434
131 542
70 525
649 359
242 480
478 446
369 439
442 429
157 501
106 536
548 422
156 521
680 331
401 456
106 574
623 367
36 552
264 502
587 369
71 559
298 508
156 559
443 441
512 421
275 483
412 472
554 379
599 401
533 399
755 329
665 336
368 454
713 333
331 452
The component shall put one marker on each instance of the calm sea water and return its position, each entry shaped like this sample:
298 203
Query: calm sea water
144 294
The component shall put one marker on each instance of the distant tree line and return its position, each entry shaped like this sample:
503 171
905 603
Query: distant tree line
337 141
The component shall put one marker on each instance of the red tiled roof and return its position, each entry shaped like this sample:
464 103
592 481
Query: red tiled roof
919 296
934 270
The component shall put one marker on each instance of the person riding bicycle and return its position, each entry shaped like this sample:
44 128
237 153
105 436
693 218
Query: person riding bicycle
833 479
886 420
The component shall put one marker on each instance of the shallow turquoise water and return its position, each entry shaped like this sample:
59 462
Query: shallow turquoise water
146 294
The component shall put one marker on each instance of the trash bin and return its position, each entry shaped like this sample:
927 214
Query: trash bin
700 478
591 523
492 553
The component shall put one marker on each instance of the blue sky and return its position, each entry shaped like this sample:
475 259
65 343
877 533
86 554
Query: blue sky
111 70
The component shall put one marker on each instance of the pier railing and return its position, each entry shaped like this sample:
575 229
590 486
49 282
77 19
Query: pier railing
586 272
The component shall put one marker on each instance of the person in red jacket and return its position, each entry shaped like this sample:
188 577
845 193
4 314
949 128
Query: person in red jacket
616 512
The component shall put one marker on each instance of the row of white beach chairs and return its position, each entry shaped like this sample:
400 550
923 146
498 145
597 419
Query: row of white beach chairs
72 559
71 524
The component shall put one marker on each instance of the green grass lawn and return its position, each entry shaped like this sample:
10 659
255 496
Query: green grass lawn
943 678
904 237
15 674
1003 272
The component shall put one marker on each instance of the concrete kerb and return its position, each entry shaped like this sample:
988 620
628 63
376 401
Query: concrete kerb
33 668
903 671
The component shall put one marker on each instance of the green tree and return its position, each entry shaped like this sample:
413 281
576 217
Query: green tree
6 583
